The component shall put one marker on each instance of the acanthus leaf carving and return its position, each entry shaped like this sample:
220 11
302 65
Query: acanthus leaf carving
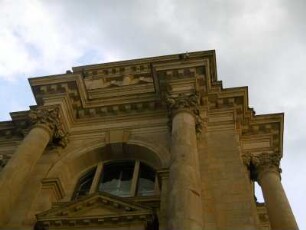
188 103
50 117
261 163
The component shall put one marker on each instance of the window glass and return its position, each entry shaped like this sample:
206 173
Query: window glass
84 184
120 178
146 181
117 178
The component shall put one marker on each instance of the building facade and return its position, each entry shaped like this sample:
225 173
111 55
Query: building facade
153 143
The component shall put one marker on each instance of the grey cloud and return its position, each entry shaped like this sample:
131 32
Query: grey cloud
260 44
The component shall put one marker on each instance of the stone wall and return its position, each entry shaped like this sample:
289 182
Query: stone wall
228 201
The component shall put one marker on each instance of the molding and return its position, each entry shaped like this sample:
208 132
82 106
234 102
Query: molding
133 90
55 185
99 209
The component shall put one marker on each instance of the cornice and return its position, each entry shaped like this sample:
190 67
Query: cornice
134 90
137 100
159 59
232 106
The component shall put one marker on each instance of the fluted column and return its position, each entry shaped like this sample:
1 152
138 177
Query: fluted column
267 172
185 204
46 127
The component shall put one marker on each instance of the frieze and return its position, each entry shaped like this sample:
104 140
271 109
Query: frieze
129 79
184 75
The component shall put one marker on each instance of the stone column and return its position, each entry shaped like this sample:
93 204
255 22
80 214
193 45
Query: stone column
14 176
185 204
267 172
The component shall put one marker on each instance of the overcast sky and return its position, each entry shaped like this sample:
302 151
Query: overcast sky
260 44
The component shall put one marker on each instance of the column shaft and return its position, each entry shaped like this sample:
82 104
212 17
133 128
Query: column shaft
185 208
16 172
278 207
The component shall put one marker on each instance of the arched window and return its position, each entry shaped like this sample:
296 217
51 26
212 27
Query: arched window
120 178
117 178
84 184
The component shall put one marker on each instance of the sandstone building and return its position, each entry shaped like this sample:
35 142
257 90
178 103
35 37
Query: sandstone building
153 143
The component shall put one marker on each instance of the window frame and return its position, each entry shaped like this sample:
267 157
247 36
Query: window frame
75 195
94 188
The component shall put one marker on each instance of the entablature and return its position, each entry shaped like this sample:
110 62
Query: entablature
230 106
134 93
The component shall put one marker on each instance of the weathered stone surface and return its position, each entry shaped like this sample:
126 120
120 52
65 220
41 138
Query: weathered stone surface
206 162
185 208
265 169
50 117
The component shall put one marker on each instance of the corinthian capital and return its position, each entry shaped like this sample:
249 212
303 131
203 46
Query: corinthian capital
262 163
50 117
189 103
266 160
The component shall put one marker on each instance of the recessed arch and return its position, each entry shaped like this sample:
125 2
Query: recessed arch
79 160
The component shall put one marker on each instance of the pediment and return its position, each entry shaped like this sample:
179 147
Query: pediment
95 210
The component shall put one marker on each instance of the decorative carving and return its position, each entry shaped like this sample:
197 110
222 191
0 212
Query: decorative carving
128 79
266 160
50 117
257 164
183 102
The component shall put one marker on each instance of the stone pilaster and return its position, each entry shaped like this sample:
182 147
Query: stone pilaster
265 170
163 178
185 203
47 127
